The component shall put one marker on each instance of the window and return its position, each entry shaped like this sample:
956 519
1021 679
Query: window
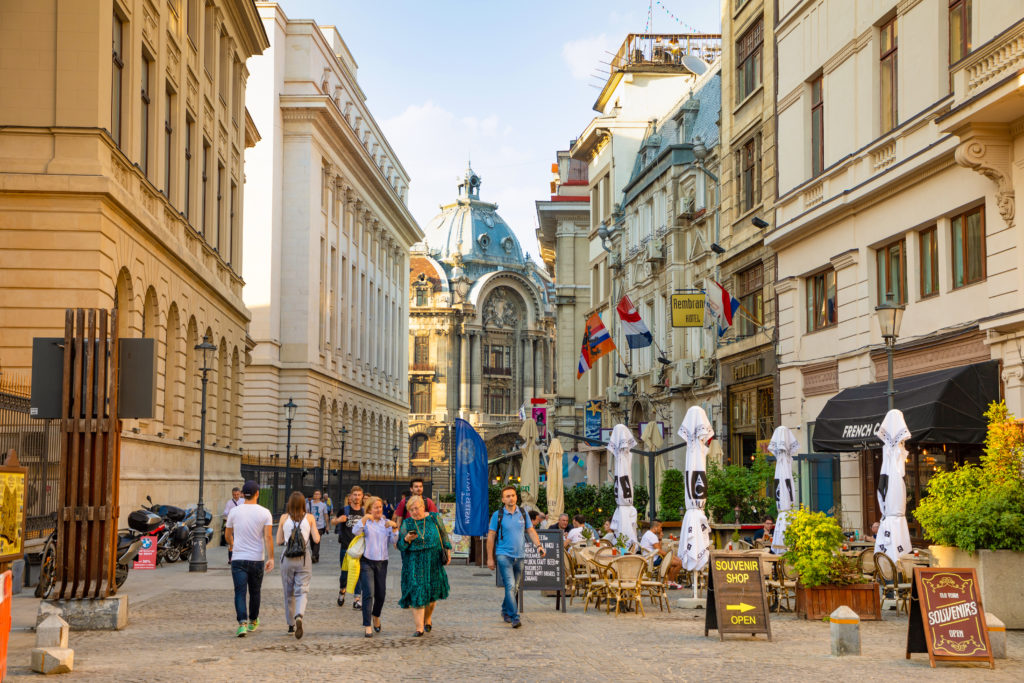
750 288
748 174
206 186
929 260
959 29
224 76
229 247
892 272
420 398
192 19
968 247
817 129
748 60
190 126
168 140
821 300
497 400
421 297
421 350
117 73
147 68
887 76
498 359
209 31
220 197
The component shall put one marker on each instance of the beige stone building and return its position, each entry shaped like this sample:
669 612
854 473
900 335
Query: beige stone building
901 123
327 258
124 128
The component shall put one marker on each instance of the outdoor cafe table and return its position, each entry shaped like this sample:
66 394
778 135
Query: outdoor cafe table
909 561
860 545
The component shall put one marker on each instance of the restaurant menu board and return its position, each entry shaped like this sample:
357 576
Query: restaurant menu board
543 573
737 602
946 618
460 544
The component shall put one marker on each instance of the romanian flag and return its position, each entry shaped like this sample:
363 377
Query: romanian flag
596 343
637 334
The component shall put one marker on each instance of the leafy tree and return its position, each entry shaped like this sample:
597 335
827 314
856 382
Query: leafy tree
673 495
735 486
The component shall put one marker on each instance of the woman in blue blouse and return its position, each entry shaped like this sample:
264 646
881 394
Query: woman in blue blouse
379 532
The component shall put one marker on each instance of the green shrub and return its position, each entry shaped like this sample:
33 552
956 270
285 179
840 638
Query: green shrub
446 498
813 539
735 486
673 495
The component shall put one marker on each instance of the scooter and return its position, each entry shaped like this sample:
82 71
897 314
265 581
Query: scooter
141 523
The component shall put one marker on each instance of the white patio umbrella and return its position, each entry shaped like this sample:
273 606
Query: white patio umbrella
783 446
529 472
696 431
893 537
651 437
556 493
620 447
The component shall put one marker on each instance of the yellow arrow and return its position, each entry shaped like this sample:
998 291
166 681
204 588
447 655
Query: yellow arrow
742 607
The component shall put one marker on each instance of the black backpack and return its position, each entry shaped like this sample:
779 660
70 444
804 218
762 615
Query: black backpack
296 545
501 514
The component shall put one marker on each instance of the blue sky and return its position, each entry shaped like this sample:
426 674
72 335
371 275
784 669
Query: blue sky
507 82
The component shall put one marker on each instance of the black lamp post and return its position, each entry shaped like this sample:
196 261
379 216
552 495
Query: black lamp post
197 560
890 316
289 414
394 455
341 466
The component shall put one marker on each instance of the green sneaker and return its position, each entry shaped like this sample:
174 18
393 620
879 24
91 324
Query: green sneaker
253 625
242 630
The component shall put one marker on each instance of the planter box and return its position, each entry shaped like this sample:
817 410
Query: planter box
999 573
819 602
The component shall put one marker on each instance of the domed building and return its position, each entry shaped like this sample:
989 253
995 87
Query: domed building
481 330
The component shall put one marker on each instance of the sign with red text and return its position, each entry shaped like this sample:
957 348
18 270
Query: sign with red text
946 617
147 554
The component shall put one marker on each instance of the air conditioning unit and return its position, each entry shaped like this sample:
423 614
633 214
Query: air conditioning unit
685 207
613 394
655 251
684 373
703 368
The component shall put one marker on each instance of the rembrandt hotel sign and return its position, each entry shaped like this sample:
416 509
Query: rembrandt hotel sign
688 310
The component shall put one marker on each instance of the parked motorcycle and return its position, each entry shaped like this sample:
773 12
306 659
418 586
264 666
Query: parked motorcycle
141 523
173 539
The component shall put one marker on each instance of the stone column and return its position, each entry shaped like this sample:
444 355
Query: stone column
528 367
538 367
464 374
475 372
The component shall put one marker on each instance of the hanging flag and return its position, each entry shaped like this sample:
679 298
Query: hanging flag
637 334
471 512
596 343
719 306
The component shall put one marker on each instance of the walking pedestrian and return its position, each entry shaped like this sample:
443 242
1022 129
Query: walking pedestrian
379 531
425 552
416 489
318 508
234 501
249 538
347 518
297 532
510 525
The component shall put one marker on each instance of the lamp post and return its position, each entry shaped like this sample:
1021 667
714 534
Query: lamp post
394 455
197 560
341 467
890 315
289 414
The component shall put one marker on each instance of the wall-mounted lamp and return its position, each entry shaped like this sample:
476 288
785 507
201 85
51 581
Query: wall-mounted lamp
718 249
759 222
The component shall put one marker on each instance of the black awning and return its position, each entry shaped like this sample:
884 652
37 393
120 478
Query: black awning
945 406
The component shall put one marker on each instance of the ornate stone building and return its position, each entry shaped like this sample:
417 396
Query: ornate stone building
481 328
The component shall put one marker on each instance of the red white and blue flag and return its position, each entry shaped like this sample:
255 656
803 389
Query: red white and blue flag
596 343
719 306
637 334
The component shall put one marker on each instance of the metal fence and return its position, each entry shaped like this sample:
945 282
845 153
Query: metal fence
37 443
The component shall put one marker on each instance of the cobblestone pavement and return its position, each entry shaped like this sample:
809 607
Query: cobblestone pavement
181 627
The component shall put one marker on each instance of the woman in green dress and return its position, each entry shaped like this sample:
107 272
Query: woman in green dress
424 555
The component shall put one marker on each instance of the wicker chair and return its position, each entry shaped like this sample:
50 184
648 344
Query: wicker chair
598 586
656 588
888 576
578 575
625 582
866 562
783 585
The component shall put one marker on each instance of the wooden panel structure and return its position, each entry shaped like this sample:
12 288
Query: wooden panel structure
89 463
862 598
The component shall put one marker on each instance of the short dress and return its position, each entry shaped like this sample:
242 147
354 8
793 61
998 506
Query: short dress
424 579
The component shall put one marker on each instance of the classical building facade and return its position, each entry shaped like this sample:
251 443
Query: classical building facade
481 329
327 249
122 187
897 187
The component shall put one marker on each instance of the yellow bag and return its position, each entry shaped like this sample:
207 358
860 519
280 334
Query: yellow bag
351 565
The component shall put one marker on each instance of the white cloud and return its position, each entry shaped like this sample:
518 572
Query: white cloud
584 56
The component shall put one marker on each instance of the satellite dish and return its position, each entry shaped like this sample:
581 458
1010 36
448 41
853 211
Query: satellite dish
694 64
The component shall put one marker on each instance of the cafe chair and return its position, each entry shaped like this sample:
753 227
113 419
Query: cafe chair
625 582
577 576
891 581
597 586
866 562
783 585
656 588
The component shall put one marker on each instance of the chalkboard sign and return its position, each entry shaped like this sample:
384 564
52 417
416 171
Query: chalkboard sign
737 602
946 617
542 573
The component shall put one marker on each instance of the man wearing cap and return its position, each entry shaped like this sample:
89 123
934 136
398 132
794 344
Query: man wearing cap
249 535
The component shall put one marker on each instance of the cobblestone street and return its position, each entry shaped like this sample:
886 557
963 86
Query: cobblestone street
182 627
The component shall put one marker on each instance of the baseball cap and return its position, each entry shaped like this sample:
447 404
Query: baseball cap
250 487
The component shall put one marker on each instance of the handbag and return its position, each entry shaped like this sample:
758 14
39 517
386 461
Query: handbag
357 547
443 536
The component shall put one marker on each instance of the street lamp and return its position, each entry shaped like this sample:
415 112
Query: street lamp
289 414
341 467
394 454
890 315
197 560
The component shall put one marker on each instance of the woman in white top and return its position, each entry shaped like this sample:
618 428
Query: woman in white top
296 571
379 532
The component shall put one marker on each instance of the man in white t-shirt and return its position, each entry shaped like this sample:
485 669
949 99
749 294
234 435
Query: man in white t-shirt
249 540
576 532
651 543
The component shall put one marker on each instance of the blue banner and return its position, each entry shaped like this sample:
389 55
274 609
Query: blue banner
592 419
471 513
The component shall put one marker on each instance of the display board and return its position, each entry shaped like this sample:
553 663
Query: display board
737 602
460 544
543 573
946 617
12 509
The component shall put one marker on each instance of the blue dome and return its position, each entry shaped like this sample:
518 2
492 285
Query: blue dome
473 229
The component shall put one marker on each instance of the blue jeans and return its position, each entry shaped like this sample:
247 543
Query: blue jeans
247 574
511 569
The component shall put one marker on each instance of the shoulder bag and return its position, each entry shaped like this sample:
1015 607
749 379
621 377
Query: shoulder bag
356 547
442 534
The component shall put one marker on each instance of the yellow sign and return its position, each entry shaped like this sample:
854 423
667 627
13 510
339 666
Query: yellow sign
12 513
688 310
742 607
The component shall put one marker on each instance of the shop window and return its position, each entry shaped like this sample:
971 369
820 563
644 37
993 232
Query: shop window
821 300
968 247
750 289
928 258
892 272
748 60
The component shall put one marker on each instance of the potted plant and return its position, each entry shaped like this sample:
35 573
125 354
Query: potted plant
975 516
826 579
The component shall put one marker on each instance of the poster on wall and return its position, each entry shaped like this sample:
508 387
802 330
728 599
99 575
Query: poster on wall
12 512
592 414
540 416
460 544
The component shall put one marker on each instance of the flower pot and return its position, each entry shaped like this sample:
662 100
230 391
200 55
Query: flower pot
999 573
820 601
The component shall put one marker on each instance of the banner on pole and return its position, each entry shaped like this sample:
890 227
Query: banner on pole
592 419
471 513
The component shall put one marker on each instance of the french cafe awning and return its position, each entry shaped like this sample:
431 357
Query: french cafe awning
944 406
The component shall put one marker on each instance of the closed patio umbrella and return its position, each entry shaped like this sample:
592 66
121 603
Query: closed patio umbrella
651 437
529 471
893 537
620 446
696 431
783 446
556 493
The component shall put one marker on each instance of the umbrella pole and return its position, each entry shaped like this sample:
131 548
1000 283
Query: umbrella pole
694 584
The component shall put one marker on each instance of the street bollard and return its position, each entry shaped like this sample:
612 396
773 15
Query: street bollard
996 635
51 654
845 627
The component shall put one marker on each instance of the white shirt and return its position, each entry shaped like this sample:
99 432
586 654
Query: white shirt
247 523
287 527
575 534
648 541
231 505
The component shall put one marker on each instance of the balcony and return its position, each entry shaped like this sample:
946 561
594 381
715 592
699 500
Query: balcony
422 369
497 372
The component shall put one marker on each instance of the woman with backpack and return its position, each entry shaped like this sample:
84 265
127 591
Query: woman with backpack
346 520
294 532
379 532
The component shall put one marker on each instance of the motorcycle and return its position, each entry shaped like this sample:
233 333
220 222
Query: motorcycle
173 539
141 523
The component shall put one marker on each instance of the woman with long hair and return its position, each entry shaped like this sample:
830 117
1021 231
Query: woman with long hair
379 532
296 570
425 552
347 517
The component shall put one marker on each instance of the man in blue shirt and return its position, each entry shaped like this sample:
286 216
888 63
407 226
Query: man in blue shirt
510 525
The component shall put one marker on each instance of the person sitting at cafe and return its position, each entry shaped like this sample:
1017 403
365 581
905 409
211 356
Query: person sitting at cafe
575 534
874 532
650 542
607 534
562 524
537 518
766 531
